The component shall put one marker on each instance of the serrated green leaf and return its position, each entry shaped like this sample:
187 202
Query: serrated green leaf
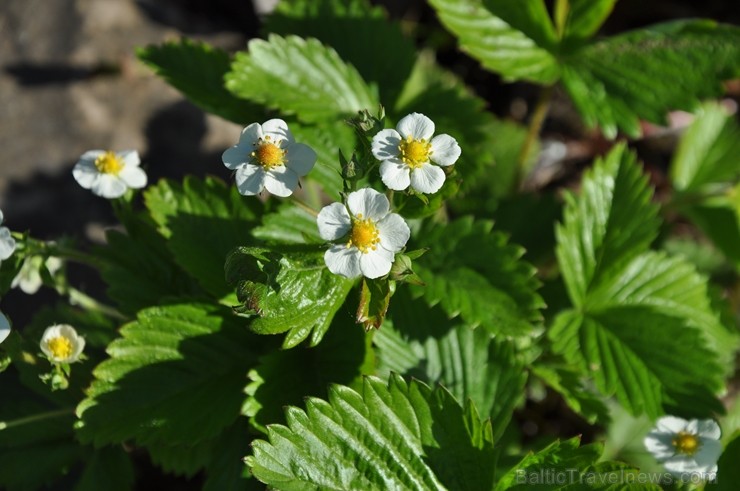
299 76
617 348
291 292
611 476
473 272
495 44
379 50
394 436
197 70
644 73
527 16
203 220
171 357
728 472
611 222
708 151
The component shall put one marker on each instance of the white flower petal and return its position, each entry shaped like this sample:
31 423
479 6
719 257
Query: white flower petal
130 158
417 126
250 179
250 135
394 232
395 174
660 444
334 222
281 181
427 179
369 203
705 428
109 186
679 464
708 453
670 424
134 177
91 155
4 328
445 150
277 130
237 156
377 263
343 260
385 144
85 173
7 243
301 158
78 346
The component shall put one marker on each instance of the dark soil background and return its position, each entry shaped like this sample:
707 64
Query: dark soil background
70 82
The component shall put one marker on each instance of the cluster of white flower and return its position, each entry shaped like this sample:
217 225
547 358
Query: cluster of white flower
686 448
268 157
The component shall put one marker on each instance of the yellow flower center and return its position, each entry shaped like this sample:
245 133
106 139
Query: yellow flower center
109 163
60 347
268 154
686 443
364 235
414 153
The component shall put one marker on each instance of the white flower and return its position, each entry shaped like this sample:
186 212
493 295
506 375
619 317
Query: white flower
407 153
109 174
29 277
373 234
686 447
4 328
61 344
267 156
7 242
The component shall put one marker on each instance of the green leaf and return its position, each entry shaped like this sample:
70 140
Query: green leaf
719 219
728 472
472 271
375 296
197 70
527 16
379 50
289 224
399 436
291 292
170 358
609 224
570 386
584 17
110 469
617 348
299 76
286 377
203 220
498 46
644 73
226 470
708 151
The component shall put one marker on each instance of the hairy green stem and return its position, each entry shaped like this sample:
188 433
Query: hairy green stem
36 417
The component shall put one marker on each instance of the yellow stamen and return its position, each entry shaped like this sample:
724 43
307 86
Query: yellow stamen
415 153
109 163
364 235
686 443
60 347
268 154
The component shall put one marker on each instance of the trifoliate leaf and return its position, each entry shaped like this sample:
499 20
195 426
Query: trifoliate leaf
642 356
645 73
287 291
395 436
472 271
172 357
379 50
299 76
610 223
500 46
197 70
203 220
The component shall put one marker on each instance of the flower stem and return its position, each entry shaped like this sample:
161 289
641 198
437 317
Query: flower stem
535 125
81 299
303 205
36 417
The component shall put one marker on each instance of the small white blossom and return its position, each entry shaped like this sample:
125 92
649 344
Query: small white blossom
29 278
268 157
373 235
686 447
7 242
4 328
409 152
61 344
109 174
